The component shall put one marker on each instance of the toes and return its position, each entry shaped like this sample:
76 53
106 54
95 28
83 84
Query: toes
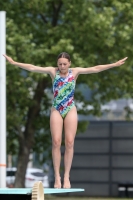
67 184
57 183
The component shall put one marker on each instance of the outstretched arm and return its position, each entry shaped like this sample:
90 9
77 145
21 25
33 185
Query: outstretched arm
98 68
32 68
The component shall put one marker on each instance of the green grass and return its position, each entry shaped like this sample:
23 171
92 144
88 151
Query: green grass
52 197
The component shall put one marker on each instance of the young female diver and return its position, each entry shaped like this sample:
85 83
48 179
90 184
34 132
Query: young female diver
63 111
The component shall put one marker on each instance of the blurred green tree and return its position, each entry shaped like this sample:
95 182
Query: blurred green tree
93 32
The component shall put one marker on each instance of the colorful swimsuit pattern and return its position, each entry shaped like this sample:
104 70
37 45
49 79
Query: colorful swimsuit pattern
63 89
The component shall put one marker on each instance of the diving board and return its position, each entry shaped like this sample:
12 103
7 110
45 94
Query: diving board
37 192
29 190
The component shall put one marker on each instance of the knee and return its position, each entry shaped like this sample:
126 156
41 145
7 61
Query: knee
56 143
69 144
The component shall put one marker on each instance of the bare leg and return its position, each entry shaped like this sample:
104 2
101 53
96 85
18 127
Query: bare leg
56 125
70 127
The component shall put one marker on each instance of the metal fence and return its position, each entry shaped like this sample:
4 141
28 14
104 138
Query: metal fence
103 158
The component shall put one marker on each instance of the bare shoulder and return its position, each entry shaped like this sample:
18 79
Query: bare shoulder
47 70
77 69
83 70
75 72
52 71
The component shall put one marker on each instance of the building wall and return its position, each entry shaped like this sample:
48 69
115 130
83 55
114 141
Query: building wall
103 158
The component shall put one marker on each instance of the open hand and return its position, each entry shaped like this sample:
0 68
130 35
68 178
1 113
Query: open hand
120 62
10 60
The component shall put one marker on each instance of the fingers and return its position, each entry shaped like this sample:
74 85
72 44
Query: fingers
5 56
9 59
124 59
121 62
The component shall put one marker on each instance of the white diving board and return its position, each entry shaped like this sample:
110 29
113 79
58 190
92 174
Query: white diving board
36 193
29 190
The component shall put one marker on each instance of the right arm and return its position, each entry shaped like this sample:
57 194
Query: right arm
47 70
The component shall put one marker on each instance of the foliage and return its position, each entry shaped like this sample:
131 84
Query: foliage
92 32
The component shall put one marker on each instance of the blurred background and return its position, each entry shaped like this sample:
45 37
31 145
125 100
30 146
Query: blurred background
93 32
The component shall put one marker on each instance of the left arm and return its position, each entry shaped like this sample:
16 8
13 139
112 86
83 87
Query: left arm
98 68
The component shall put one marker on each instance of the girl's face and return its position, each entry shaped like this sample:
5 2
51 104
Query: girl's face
63 65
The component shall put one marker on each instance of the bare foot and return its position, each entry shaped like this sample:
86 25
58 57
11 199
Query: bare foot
66 184
57 183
